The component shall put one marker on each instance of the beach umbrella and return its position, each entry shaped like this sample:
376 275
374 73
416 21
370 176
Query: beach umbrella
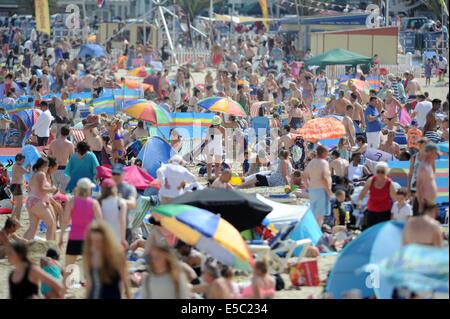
147 111
208 232
130 84
418 268
141 72
351 270
243 211
243 82
443 147
362 86
222 105
322 129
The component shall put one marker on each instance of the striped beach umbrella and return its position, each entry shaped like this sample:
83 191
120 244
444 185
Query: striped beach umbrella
208 232
147 111
222 105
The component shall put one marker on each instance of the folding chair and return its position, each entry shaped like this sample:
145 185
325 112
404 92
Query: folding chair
280 249
137 215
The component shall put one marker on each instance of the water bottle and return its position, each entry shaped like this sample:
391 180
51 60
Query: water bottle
42 227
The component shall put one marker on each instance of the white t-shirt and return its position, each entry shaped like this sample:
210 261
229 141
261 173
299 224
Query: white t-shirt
174 174
42 126
37 60
28 45
442 63
401 214
422 109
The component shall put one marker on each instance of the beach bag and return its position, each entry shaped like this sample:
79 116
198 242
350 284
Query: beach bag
279 282
305 273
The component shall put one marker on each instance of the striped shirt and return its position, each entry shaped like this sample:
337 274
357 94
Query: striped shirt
433 136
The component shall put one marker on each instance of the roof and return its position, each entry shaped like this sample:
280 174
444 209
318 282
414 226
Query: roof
338 57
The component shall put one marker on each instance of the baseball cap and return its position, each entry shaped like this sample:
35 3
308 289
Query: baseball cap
85 183
414 123
217 120
109 182
117 169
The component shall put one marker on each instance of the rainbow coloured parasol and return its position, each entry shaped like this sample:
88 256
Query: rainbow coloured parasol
222 105
360 85
208 232
141 72
147 111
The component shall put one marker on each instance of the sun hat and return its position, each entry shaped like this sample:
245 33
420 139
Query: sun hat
217 120
177 159
109 182
85 183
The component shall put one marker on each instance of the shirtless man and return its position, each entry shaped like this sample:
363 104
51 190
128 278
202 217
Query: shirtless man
413 87
17 184
354 90
358 112
390 146
348 124
213 286
61 149
61 111
338 165
424 230
287 139
426 189
317 178
341 104
87 81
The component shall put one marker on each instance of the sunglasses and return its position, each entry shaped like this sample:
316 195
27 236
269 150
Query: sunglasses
381 172
116 174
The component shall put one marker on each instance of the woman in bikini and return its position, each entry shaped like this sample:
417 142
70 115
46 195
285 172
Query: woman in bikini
392 107
116 136
308 90
263 284
38 202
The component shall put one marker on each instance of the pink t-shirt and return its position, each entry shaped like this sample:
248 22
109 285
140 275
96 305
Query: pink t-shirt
82 216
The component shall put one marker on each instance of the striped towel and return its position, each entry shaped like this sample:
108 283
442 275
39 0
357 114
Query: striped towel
77 135
137 215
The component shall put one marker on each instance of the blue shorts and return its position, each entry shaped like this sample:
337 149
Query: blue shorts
319 201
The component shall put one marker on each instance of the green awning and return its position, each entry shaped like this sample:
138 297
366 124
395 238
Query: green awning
338 57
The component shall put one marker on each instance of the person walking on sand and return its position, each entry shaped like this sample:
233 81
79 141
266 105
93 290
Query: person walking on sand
426 187
80 211
61 149
38 204
105 265
16 185
317 178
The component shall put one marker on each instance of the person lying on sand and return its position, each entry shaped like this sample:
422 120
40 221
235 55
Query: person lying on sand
8 234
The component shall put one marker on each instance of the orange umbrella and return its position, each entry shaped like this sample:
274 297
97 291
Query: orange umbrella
322 129
136 85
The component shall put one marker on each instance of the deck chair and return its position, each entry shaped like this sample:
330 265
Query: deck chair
137 215
280 249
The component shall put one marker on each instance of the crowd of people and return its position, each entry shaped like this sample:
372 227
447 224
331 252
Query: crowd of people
257 69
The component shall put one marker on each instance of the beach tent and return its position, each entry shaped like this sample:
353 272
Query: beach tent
133 175
92 50
24 120
354 267
399 173
16 86
338 57
154 153
283 215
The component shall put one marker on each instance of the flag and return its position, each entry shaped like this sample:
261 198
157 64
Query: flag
77 135
42 16
104 105
101 3
265 12
444 6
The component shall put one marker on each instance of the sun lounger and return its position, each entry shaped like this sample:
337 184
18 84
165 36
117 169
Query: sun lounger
280 249
143 206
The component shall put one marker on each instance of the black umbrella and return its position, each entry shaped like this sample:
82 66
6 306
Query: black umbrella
243 211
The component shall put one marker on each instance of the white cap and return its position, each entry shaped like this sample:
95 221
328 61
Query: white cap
85 183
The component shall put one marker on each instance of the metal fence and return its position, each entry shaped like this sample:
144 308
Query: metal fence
190 56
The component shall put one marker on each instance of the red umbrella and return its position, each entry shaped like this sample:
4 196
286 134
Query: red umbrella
133 175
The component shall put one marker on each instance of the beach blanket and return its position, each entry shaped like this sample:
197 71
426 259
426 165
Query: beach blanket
378 155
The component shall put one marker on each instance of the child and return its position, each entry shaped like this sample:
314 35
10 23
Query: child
245 164
16 184
340 213
8 234
428 72
50 264
401 210
344 148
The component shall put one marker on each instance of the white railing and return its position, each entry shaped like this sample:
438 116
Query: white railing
191 56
